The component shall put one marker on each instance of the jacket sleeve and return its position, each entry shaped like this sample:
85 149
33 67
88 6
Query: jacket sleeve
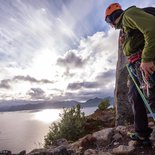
136 18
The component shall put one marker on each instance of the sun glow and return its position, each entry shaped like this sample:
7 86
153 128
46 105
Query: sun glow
48 115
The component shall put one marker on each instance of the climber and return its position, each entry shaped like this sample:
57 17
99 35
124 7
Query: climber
137 39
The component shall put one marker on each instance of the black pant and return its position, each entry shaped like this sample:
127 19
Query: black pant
139 109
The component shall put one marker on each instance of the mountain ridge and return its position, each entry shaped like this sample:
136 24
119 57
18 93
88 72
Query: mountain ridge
32 105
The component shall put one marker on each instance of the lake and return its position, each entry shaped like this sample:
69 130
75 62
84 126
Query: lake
25 130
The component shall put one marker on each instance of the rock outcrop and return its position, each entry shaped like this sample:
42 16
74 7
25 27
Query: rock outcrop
122 106
108 141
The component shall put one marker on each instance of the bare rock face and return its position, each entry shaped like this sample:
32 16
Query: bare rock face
123 108
121 129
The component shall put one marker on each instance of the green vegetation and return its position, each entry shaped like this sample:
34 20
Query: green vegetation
104 104
70 126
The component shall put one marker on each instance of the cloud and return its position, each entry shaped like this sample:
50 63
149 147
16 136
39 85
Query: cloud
55 41
36 93
5 84
103 81
71 60
78 72
27 28
93 53
30 79
80 85
106 76
84 95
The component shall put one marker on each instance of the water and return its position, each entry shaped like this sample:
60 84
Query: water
25 130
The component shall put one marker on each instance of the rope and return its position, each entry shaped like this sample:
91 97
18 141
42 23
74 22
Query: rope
140 92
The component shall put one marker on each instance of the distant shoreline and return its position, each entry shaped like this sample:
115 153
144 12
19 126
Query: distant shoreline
33 105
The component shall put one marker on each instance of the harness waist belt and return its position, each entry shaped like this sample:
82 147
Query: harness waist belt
134 57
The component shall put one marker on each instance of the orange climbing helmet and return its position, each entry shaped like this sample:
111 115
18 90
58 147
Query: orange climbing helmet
111 9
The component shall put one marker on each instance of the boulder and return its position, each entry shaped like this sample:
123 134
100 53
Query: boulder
104 136
104 153
123 150
121 129
56 151
90 152
117 137
88 141
59 142
132 143
22 152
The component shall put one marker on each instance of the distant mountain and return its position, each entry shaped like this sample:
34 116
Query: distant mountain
5 103
92 102
31 105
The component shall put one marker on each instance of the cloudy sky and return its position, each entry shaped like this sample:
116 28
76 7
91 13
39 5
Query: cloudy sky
57 49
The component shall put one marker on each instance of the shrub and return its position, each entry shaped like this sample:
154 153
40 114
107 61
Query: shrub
104 104
70 126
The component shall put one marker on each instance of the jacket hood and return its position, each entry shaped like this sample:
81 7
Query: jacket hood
119 24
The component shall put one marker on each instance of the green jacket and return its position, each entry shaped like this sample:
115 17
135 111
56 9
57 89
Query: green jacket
135 18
